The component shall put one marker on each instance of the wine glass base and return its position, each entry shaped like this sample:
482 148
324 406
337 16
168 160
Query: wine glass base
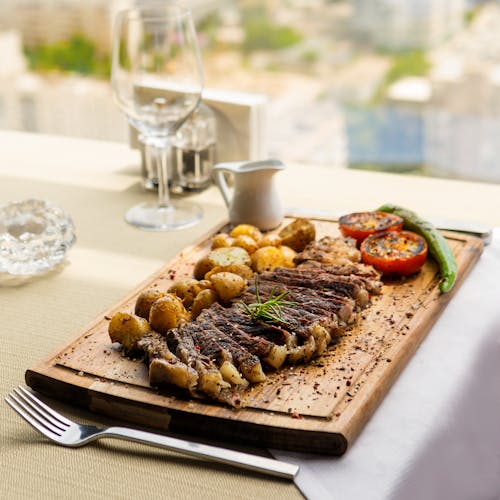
150 216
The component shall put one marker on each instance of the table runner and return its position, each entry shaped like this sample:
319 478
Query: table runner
442 443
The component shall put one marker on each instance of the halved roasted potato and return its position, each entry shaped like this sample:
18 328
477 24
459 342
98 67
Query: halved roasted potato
221 257
298 234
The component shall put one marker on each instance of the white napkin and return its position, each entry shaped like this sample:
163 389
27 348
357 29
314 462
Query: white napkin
436 435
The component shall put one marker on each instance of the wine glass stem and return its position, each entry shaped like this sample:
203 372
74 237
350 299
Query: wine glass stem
160 154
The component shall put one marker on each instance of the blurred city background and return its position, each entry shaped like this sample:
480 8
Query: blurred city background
395 85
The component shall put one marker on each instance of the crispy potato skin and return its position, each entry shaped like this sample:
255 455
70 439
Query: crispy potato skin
202 267
167 312
203 300
266 258
127 329
240 269
228 285
222 240
270 240
298 234
188 289
246 242
247 230
288 256
145 300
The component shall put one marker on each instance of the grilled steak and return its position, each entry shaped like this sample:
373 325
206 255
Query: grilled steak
344 286
242 331
225 348
164 366
210 380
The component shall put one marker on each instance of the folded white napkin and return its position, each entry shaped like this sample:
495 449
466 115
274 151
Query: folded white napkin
436 435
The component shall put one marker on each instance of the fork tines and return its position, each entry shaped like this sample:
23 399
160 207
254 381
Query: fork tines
38 414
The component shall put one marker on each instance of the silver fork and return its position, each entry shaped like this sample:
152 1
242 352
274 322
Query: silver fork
68 433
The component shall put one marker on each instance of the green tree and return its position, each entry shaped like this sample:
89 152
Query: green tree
411 63
76 55
262 34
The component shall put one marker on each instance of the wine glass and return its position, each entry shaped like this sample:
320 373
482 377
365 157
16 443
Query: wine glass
157 80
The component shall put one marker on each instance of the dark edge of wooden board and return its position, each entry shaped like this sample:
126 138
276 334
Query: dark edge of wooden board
45 379
176 421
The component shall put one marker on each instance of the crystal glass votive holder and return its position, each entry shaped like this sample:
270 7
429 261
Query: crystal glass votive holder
35 236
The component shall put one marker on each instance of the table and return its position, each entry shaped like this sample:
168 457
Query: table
96 182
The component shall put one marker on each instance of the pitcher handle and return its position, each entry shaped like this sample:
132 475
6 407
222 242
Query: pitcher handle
220 179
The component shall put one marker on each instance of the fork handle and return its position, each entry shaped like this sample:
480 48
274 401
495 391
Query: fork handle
214 453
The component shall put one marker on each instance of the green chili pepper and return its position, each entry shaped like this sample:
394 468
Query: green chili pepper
438 246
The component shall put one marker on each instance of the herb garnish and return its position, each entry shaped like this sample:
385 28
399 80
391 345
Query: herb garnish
270 310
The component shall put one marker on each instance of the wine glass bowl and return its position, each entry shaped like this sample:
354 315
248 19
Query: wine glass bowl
157 81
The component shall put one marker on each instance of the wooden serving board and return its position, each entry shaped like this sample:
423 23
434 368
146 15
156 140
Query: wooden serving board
319 407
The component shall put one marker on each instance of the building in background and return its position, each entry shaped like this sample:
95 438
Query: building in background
407 24
333 100
55 103
50 21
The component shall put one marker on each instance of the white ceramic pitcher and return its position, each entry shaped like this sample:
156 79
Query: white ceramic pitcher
255 198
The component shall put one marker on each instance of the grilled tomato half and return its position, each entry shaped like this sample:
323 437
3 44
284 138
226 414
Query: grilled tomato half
395 252
360 225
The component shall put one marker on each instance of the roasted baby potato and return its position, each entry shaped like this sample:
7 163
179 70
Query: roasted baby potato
298 234
202 267
247 230
228 285
127 329
221 257
246 242
270 240
222 240
188 289
267 258
288 256
203 300
167 313
145 300
240 269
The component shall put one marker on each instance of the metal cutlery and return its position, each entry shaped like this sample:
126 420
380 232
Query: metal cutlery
65 432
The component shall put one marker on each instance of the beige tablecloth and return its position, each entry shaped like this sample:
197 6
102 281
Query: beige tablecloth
96 182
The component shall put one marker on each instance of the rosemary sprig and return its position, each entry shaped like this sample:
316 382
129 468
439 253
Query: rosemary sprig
270 310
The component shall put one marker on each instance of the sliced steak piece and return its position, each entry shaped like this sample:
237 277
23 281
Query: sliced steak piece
164 366
234 325
345 286
211 344
341 307
210 380
215 343
367 275
303 322
253 335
